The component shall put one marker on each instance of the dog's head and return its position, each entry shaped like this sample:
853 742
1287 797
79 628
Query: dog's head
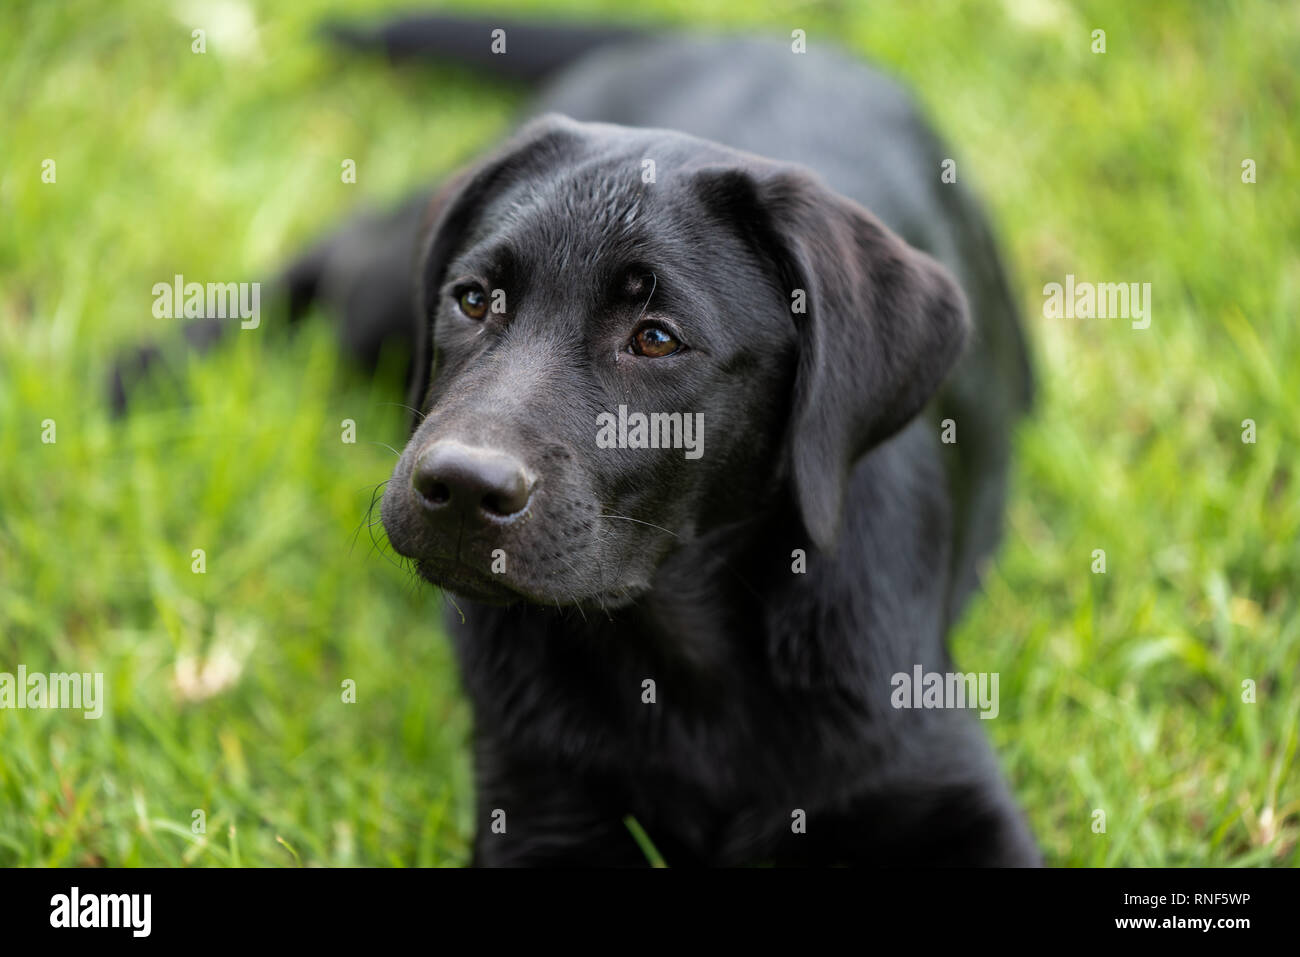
635 337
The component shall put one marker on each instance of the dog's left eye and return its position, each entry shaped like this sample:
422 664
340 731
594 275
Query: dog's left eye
654 342
472 301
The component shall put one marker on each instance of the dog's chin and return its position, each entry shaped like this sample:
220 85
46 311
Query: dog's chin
467 583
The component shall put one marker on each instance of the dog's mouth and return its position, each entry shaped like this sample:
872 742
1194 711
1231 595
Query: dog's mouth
524 560
467 582
464 581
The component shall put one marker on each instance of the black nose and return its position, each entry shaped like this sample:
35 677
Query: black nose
450 477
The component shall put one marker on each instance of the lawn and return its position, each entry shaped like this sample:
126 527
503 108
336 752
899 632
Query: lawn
1121 692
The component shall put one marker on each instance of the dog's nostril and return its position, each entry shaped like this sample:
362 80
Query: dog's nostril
433 490
478 482
508 501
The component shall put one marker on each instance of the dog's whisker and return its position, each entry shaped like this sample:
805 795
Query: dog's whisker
374 494
628 518
654 285
403 405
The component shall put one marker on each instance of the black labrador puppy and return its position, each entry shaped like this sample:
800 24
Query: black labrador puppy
709 453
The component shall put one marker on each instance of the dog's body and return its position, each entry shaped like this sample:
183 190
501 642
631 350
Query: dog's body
705 645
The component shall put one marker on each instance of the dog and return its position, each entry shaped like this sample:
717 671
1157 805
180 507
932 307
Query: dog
696 618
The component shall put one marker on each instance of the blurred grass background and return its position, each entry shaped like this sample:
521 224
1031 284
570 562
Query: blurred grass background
1120 692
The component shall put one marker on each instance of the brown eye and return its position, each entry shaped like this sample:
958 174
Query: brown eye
654 342
472 301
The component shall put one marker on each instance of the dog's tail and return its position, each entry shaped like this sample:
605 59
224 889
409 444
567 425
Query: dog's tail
513 49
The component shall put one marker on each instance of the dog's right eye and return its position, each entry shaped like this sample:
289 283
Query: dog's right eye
654 341
472 301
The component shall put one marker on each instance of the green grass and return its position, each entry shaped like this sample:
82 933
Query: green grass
1120 692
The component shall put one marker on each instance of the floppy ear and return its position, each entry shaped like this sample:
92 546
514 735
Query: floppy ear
451 217
883 324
